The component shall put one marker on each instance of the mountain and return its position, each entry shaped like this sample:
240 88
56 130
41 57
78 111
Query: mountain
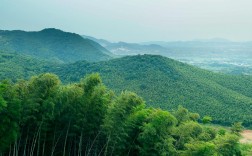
167 83
124 48
53 44
102 42
217 54
207 50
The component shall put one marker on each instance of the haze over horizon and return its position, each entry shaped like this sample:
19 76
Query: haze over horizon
133 20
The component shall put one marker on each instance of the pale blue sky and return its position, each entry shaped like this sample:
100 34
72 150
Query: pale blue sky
133 20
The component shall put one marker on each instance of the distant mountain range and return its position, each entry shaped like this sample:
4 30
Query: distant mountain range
216 54
53 44
123 48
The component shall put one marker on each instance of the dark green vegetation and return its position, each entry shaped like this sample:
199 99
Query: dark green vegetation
43 117
16 66
162 82
166 83
53 45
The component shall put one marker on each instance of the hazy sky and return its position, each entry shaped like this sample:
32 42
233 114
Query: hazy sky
133 20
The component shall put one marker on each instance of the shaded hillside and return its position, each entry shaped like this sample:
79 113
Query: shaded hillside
15 66
53 44
167 83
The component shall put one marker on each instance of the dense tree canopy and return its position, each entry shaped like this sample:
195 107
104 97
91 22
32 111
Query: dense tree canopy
162 82
166 83
41 116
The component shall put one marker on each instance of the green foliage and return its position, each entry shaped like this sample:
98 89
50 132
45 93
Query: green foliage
3 103
162 82
165 83
185 133
228 145
208 134
118 122
41 91
90 82
182 114
237 127
9 115
246 149
200 149
155 138
16 66
41 116
54 45
222 131
207 119
194 116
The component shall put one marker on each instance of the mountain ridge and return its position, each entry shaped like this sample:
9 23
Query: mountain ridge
216 54
53 44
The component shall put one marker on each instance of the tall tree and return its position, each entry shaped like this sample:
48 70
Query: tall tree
115 124
9 115
156 138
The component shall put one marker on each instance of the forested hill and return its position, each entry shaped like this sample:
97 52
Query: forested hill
43 117
162 82
15 66
167 83
53 44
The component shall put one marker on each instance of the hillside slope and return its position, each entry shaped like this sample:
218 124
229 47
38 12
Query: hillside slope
53 44
15 66
163 82
167 83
